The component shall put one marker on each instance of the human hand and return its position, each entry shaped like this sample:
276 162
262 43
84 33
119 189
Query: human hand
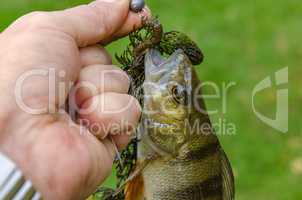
62 159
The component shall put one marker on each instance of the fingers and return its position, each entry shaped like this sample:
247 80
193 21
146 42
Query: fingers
97 79
95 54
98 21
130 25
105 107
111 113
121 140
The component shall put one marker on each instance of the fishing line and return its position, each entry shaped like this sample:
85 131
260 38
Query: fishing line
118 155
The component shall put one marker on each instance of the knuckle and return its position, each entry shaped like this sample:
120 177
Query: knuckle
135 106
119 74
124 78
102 16
105 55
37 19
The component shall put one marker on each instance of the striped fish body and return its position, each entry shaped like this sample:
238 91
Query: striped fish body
184 158
195 175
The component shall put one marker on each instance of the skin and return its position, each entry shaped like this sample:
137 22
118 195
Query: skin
61 162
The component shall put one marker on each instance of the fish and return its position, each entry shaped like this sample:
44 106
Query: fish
179 157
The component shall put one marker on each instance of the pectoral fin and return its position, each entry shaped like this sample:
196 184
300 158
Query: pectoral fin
134 185
134 189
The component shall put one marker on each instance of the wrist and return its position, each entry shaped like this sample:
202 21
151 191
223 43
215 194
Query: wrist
19 144
36 148
14 141
12 182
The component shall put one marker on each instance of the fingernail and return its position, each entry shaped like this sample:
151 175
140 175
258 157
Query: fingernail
145 13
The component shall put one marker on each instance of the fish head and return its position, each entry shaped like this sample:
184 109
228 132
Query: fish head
167 97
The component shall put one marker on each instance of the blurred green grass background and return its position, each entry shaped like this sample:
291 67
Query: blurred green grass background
243 42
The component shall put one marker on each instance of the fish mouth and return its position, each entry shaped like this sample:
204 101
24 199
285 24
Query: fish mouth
152 140
151 123
167 80
156 64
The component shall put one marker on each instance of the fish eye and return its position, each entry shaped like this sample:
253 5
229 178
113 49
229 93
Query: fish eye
179 94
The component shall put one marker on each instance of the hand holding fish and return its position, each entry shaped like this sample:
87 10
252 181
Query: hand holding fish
51 152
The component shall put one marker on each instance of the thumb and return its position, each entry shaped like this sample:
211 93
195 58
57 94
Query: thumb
97 21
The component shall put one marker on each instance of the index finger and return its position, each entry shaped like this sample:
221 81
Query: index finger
98 21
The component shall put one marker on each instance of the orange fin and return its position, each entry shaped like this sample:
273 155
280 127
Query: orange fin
134 189
134 185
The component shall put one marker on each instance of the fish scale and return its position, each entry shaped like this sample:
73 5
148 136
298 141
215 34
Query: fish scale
189 164
179 180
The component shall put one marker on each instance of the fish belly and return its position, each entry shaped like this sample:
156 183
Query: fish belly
179 179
